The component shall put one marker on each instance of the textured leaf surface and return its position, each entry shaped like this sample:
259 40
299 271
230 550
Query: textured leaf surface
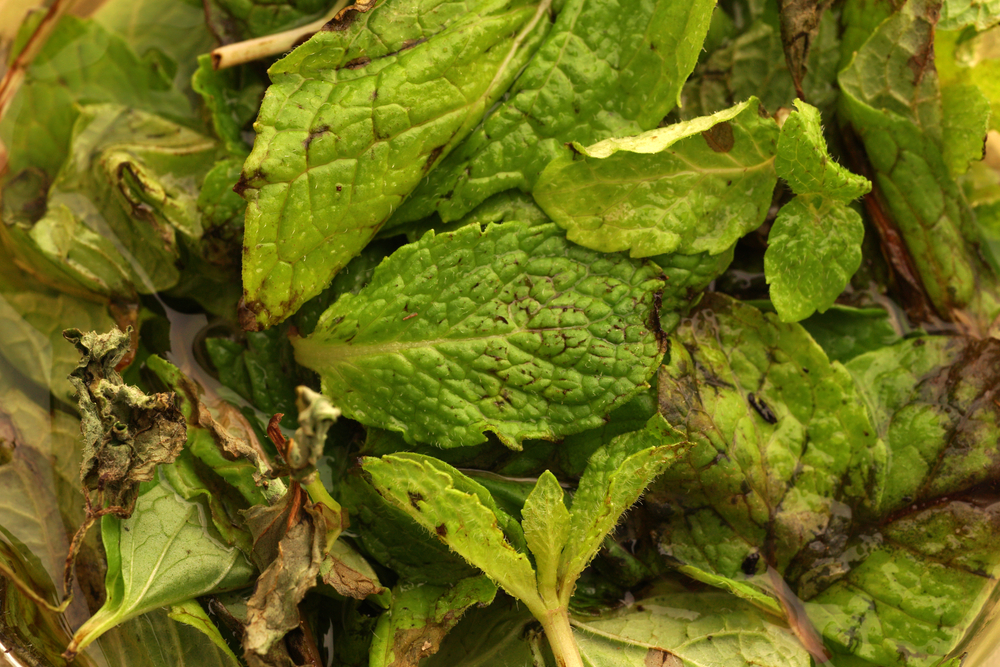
814 247
845 332
512 330
965 119
354 119
163 554
782 443
957 14
931 399
419 618
422 488
892 99
607 68
692 187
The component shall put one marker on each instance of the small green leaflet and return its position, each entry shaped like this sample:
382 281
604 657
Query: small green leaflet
692 187
814 246
512 330
355 118
191 613
163 554
606 69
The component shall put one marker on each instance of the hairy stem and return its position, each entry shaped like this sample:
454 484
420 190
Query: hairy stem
557 628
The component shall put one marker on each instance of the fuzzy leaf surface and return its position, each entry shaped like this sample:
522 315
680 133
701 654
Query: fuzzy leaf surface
696 186
353 120
512 330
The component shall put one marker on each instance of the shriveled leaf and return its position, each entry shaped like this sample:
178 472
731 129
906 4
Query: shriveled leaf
355 118
316 415
126 434
615 477
814 247
606 69
800 20
437 501
692 187
511 330
348 572
163 554
421 616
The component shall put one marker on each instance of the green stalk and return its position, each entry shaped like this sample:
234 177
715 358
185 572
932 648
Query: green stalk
555 622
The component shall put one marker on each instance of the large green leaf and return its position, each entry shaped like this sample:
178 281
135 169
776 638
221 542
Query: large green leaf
164 553
606 69
511 330
355 118
692 187
892 98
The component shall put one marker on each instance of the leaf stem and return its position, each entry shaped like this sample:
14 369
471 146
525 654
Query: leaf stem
318 493
559 632
246 51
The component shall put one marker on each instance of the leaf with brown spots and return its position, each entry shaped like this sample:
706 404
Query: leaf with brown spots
799 27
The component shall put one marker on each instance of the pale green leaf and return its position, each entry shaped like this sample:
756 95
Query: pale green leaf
692 187
163 554
844 332
958 14
805 164
355 118
546 524
191 613
511 330
420 616
964 59
606 69
813 249
156 640
615 477
965 120
457 517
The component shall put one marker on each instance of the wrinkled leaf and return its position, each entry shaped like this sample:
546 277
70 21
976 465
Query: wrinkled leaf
511 330
692 187
800 21
606 69
126 434
355 118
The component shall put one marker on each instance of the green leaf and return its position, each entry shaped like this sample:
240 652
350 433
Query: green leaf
232 97
191 613
687 276
814 247
689 630
844 332
892 99
157 640
354 120
965 120
449 505
80 63
957 14
546 525
511 330
805 164
235 20
615 477
606 69
928 399
692 187
509 205
783 448
163 554
32 319
962 59
421 616
500 635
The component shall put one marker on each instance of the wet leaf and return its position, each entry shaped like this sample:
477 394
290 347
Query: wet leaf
511 330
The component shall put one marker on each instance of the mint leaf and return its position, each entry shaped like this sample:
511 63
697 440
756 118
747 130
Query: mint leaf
232 97
605 69
511 330
981 14
692 187
844 332
814 247
420 616
191 613
965 120
546 524
450 505
319 173
161 555
235 20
